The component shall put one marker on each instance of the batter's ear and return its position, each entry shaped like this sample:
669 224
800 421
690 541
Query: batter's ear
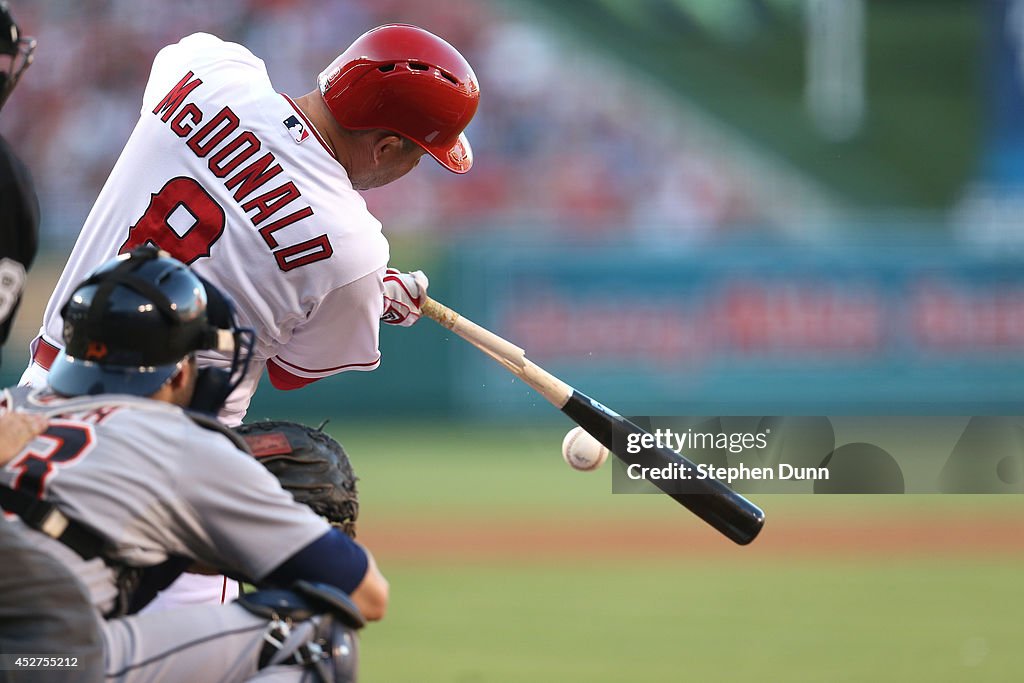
387 146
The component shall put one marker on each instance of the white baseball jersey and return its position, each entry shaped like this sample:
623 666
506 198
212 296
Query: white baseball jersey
229 176
154 484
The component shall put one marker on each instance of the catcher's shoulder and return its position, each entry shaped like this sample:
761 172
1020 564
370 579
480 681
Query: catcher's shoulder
212 424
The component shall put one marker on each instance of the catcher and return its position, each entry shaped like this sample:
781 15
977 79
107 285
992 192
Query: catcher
127 489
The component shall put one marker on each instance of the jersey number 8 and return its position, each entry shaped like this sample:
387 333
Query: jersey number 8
66 443
182 219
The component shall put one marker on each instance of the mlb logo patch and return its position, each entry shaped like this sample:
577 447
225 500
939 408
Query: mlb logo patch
296 128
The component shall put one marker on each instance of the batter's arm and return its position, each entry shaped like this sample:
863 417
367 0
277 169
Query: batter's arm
340 334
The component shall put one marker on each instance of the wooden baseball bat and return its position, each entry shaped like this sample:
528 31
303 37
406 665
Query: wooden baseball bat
711 500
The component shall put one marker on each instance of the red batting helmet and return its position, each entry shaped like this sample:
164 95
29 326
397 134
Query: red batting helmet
406 80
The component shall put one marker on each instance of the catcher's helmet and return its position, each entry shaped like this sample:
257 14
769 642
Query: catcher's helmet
129 325
407 80
16 51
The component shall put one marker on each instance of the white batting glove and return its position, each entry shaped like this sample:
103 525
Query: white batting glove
403 294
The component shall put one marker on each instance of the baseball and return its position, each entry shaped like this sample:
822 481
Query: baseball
582 451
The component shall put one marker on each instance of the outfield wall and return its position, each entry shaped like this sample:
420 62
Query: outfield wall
887 327
746 328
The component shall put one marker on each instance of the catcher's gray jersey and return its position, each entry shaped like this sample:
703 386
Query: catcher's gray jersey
153 483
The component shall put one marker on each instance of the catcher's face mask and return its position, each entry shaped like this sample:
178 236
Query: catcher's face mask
129 324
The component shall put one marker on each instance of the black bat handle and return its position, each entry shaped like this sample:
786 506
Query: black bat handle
727 511
732 514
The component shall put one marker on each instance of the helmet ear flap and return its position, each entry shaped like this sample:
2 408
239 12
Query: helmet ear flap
131 322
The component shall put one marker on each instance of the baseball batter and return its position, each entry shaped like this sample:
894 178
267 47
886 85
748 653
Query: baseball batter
126 464
258 192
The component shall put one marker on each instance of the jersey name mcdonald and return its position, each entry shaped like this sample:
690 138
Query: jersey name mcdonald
232 155
212 173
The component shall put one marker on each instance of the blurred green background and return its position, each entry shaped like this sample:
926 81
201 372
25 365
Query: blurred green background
508 566
745 62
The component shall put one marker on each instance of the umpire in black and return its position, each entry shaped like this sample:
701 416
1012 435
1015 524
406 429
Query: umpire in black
19 208
43 607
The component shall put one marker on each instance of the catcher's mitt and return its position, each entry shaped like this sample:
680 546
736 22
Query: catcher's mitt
311 465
